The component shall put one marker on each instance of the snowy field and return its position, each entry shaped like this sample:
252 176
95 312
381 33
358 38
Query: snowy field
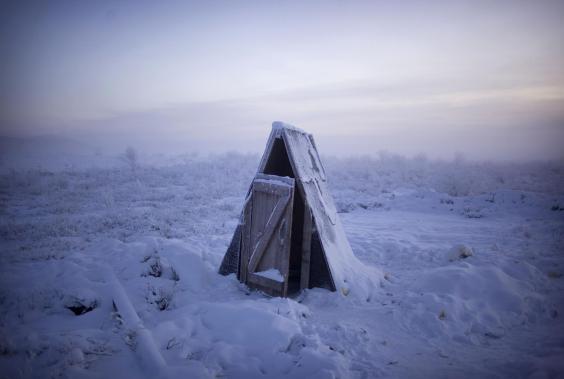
472 254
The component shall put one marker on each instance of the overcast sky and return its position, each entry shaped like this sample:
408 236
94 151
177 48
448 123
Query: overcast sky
482 78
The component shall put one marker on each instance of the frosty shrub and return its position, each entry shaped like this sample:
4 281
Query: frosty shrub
455 184
130 157
161 297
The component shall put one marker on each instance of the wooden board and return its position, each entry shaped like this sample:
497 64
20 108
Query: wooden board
267 232
245 241
306 247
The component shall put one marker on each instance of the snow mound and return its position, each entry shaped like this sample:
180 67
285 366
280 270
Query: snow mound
459 252
472 303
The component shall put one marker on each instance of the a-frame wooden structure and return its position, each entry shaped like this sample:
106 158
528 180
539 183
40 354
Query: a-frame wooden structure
289 236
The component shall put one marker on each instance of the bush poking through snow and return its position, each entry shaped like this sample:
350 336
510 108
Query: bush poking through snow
447 201
174 275
160 268
472 212
162 297
442 315
130 339
155 269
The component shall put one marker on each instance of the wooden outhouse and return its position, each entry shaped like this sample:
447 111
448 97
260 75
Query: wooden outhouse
289 236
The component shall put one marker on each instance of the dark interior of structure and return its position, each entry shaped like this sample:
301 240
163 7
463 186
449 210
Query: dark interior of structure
279 164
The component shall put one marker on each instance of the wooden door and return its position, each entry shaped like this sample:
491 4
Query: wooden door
266 238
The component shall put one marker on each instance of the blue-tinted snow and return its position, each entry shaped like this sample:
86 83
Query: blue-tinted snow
163 228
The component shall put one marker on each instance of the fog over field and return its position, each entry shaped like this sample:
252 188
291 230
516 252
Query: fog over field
480 78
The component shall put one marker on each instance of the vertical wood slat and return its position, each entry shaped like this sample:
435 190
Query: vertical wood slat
306 247
288 242
271 287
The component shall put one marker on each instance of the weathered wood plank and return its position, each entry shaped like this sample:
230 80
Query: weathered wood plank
306 247
245 239
268 285
271 188
271 225
285 266
275 178
263 205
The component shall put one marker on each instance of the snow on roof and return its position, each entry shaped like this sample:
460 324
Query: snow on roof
277 125
348 273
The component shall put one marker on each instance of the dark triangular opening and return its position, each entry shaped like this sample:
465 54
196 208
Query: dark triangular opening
278 162
319 275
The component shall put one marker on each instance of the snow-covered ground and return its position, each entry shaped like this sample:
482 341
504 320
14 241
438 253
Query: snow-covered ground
472 254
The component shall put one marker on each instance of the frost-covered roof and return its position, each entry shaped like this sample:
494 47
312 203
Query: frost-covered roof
348 273
278 125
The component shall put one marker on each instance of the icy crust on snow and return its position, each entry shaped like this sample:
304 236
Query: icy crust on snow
350 276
